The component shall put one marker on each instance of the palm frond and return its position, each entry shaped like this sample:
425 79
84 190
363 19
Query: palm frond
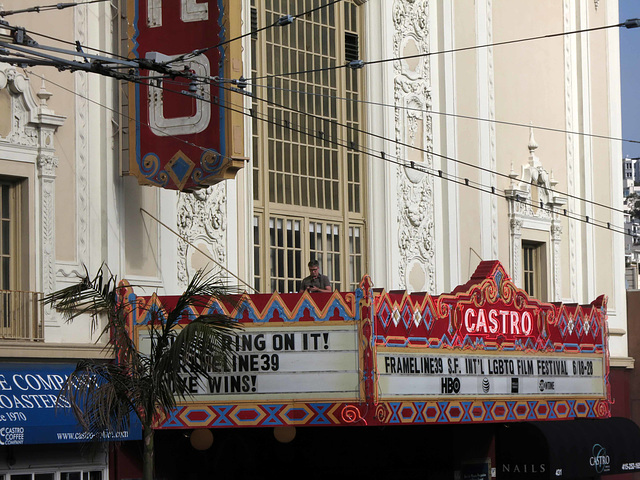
204 346
199 292
103 396
100 396
92 296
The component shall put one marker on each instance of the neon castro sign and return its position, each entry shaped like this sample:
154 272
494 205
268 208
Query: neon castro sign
497 321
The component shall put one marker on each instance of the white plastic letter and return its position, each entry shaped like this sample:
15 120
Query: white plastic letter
192 11
162 126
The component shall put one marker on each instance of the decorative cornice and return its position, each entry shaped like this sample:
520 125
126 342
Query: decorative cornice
32 122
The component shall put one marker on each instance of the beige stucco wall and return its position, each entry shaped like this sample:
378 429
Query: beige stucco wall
58 24
523 83
529 90
466 98
602 181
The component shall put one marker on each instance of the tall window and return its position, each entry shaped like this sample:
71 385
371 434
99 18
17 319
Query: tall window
15 305
533 269
9 235
308 171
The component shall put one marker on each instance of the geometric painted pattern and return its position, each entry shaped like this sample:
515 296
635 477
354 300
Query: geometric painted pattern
397 413
417 322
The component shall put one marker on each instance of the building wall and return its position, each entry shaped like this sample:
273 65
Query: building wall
566 83
481 115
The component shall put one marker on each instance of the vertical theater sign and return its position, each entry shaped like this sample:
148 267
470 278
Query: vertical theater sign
485 352
184 132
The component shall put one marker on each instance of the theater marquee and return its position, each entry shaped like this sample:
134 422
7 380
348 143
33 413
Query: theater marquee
486 352
469 375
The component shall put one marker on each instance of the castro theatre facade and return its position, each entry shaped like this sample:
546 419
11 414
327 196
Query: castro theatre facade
483 382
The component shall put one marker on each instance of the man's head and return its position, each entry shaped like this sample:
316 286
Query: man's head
314 268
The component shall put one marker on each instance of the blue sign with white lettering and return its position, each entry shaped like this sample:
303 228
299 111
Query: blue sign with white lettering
30 412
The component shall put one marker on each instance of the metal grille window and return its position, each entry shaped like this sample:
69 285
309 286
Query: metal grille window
285 247
355 256
306 136
324 246
302 151
256 253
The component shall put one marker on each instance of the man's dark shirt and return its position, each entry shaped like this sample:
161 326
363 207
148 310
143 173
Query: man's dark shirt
321 281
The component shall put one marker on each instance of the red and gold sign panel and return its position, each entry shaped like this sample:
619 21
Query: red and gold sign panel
485 352
183 133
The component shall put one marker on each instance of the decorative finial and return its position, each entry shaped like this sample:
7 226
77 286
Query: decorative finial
513 176
43 94
532 141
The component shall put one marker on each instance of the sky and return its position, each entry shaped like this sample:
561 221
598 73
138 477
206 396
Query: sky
630 78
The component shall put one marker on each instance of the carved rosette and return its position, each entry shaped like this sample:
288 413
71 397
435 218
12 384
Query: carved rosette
414 139
201 220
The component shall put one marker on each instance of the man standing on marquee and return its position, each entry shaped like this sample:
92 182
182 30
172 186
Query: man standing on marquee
316 282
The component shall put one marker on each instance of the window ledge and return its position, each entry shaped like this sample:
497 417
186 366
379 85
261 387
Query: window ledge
622 362
22 350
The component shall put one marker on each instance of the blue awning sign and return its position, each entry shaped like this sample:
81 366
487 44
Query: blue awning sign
31 413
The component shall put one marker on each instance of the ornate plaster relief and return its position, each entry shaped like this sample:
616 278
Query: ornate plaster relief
412 95
202 221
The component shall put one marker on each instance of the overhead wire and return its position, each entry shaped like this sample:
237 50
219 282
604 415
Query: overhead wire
78 45
467 164
414 56
463 181
280 22
433 172
124 115
45 8
372 153
444 157
437 172
446 114
632 23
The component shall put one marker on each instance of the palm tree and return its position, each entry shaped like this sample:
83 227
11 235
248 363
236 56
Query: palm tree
104 395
